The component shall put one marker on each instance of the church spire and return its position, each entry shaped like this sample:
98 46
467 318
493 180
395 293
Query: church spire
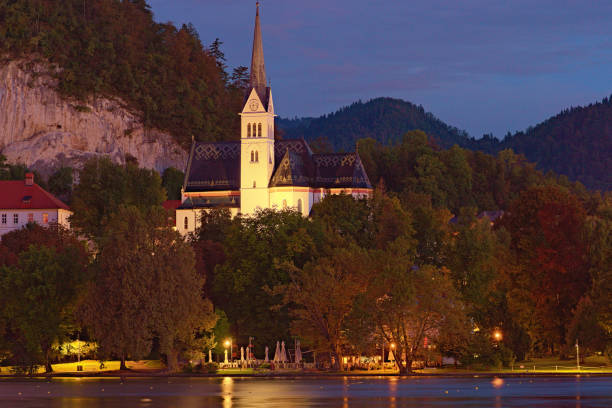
258 69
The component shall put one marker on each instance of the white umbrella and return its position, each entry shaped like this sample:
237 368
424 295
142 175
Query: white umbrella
391 356
298 352
225 360
267 359
241 353
210 356
277 353
283 354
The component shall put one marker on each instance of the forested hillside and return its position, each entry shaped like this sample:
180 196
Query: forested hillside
116 49
577 142
383 119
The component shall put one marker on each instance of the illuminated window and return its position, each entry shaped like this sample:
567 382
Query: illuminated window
45 218
15 218
300 205
256 156
186 223
259 130
30 217
249 130
4 218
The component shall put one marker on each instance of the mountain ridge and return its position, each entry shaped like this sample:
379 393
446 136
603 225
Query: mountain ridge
577 142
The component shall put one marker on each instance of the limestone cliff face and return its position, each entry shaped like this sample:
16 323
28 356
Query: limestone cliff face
43 130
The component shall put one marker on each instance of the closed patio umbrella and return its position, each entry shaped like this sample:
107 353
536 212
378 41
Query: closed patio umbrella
267 358
241 354
283 353
277 353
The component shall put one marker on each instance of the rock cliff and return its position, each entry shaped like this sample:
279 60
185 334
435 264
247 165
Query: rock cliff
42 129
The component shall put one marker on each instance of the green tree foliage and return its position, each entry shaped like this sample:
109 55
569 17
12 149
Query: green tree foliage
256 249
60 183
105 186
38 295
322 295
172 180
18 171
115 48
145 287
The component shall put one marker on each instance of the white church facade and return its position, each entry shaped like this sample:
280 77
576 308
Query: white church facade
258 171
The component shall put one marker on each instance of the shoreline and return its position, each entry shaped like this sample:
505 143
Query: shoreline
289 375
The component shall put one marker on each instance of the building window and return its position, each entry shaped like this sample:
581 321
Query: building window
284 204
45 218
15 218
254 184
252 156
256 156
30 217
248 130
300 205
186 223
4 218
259 130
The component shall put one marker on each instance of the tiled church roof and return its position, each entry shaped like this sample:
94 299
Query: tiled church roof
216 167
213 167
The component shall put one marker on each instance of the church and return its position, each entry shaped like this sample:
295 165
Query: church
258 171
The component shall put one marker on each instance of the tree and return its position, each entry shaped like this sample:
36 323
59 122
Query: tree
404 304
145 286
172 180
105 186
550 270
60 183
321 296
256 248
38 295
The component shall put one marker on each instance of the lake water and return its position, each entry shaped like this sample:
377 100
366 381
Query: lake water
345 392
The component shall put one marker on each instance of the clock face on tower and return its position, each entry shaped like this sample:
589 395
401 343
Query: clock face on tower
253 104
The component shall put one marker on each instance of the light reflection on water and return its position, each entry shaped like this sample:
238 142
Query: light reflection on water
345 392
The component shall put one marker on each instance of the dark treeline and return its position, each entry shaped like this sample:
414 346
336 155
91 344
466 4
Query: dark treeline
115 48
575 143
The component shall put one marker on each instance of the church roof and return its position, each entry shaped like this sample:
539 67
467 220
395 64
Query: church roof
216 167
213 167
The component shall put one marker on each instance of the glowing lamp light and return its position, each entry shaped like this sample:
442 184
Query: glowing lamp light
227 343
497 335
392 345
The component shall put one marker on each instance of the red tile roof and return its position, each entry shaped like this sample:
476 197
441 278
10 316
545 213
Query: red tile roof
171 204
14 195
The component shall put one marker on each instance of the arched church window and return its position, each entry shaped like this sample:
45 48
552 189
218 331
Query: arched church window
252 156
299 205
259 130
248 130
256 156
186 223
284 204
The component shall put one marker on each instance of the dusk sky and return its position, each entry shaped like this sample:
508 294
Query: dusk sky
481 65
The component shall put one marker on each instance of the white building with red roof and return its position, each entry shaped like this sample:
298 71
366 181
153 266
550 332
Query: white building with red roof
24 201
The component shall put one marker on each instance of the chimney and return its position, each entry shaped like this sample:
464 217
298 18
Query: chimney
29 179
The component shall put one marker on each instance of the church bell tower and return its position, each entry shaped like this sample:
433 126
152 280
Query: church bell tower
256 133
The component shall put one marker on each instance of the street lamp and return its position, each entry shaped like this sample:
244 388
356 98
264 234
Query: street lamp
228 343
